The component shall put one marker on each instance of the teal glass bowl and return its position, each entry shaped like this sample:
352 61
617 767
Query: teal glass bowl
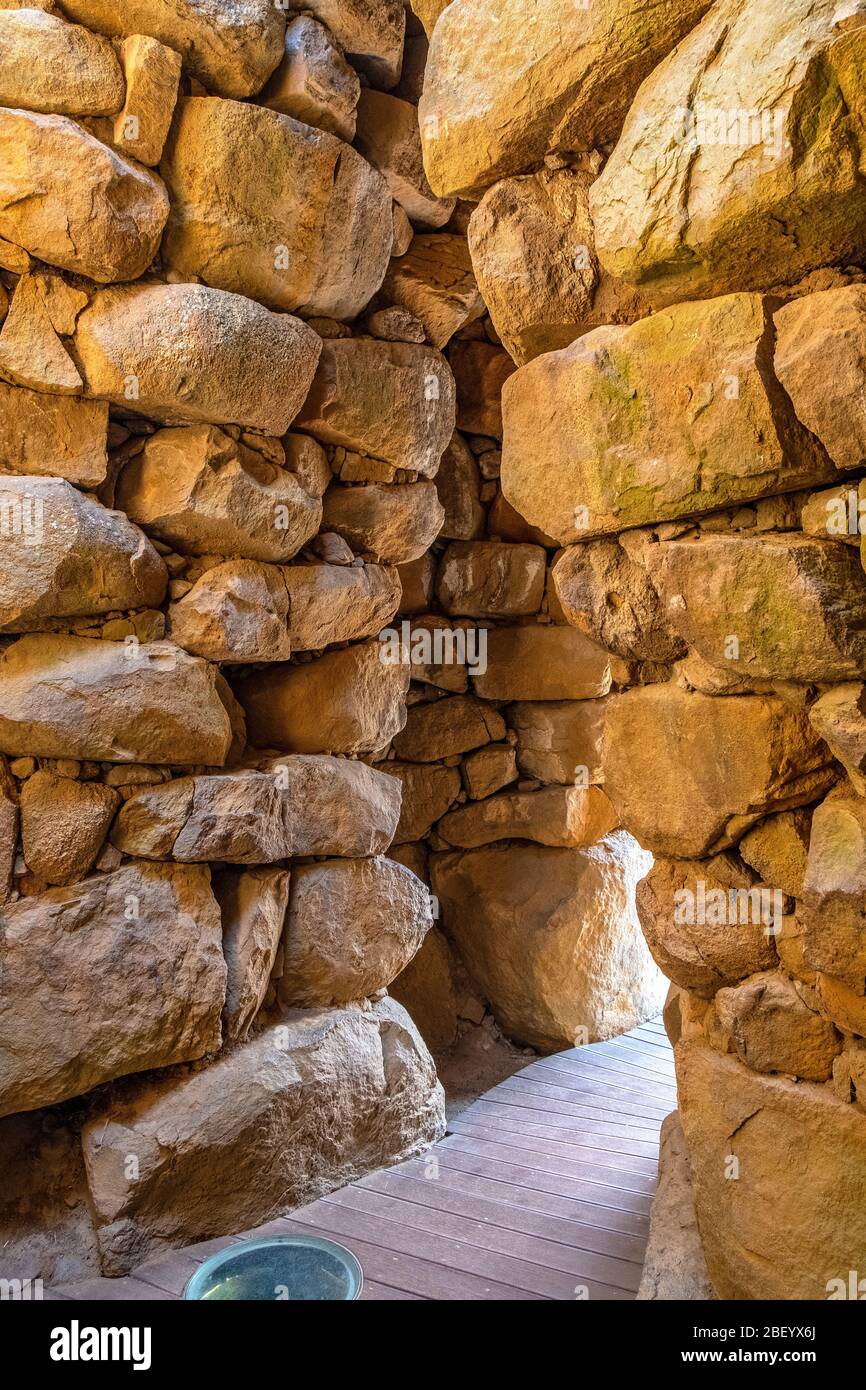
278 1269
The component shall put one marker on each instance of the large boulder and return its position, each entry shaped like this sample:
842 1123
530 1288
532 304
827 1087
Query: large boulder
203 492
551 938
338 603
396 522
388 136
503 88
351 927
232 46
314 236
119 702
533 253
370 35
389 401
427 793
834 891
840 718
316 1100
299 806
434 282
313 82
446 727
488 579
184 353
770 1025
690 773
65 555
60 436
737 168
764 1236
559 740
705 923
674 1266
784 606
118 974
820 346
672 416
51 66
102 218
348 701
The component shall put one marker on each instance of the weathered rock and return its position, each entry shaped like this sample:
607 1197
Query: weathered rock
607 594
434 281
50 66
297 806
458 483
8 828
313 82
232 46
388 136
771 1028
185 353
117 974
395 522
253 906
559 816
501 90
689 773
533 254
118 702
543 663
203 492
840 1004
486 579
338 603
675 1269
55 435
834 906
313 1102
103 219
152 73
309 463
427 793
706 922
560 741
446 727
65 555
777 848
774 606
315 236
391 401
760 1234
31 354
349 701
675 415
426 988
489 769
735 169
820 348
237 611
63 825
550 937
839 716
370 35
351 927
480 372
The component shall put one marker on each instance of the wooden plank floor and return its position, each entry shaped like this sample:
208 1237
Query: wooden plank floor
540 1190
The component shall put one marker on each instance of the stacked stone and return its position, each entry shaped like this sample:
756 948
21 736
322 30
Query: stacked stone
207 478
670 241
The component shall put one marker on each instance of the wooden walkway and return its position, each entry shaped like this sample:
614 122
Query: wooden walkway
541 1189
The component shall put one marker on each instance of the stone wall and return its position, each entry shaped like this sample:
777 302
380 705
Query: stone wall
242 543
669 235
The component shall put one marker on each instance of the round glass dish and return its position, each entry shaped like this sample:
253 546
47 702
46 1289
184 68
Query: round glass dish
279 1269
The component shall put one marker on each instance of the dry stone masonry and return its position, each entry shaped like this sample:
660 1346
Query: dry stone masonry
432 597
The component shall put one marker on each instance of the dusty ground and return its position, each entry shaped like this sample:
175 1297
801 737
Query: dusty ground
479 1059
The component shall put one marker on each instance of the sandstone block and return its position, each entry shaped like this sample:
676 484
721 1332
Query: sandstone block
777 848
607 594
480 372
119 702
458 484
559 741
118 974
349 701
103 218
690 773
186 353
550 937
446 727
388 136
427 793
313 82
152 73
543 663
834 908
370 35
820 346
839 716
489 769
487 579
63 825
396 522
351 927
55 435
237 611
558 816
434 281
772 1029
427 989
50 66
253 907
315 236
